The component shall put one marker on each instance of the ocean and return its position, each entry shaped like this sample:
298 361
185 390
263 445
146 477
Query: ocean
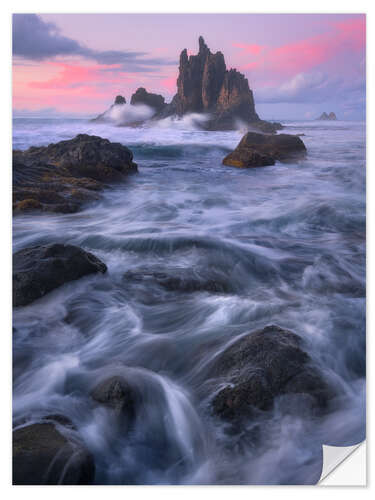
289 240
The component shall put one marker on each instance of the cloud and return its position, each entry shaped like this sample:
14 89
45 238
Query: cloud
342 40
37 40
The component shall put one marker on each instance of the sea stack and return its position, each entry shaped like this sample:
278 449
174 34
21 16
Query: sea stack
205 85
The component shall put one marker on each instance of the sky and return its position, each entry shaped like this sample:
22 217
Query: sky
298 65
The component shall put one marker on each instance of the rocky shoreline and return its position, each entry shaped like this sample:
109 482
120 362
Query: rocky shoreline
62 177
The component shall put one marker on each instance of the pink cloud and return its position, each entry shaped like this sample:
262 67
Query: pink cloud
249 48
170 84
304 55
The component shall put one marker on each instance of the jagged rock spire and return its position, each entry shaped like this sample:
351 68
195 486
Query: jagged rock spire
204 85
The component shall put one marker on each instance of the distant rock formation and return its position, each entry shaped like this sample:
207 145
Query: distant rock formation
260 150
204 85
324 116
120 100
155 101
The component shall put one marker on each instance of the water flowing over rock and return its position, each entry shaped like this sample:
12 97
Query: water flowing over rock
259 150
263 365
155 101
43 455
38 270
61 177
115 393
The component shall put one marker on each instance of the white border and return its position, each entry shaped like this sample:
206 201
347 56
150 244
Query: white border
75 6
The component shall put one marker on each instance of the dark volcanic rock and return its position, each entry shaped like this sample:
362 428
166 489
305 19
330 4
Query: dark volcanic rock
62 177
261 366
324 116
43 455
257 150
155 101
40 269
204 85
115 393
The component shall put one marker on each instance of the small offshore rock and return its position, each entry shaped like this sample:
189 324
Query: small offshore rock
259 150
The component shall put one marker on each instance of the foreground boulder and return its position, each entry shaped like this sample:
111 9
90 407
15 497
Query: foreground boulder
40 269
62 176
261 366
259 150
43 455
155 101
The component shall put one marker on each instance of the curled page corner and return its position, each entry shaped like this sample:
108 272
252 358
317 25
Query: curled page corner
333 456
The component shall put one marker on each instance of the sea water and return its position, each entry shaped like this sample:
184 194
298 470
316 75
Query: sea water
289 240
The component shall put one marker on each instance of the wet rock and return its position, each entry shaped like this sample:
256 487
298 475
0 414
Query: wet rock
115 393
62 177
256 150
40 269
43 455
181 280
155 101
261 366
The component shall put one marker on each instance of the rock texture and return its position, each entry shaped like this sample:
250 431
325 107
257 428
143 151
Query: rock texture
204 85
155 101
43 455
259 150
324 116
261 366
115 393
40 269
62 177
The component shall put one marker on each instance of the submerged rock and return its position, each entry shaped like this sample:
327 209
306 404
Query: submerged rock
43 455
155 101
40 269
261 366
115 393
181 280
257 150
62 177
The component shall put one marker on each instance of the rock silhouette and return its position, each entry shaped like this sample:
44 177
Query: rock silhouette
324 116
